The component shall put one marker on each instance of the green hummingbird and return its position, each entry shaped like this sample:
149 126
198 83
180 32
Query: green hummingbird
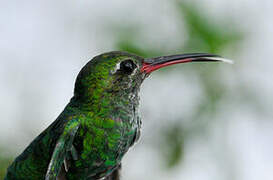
99 124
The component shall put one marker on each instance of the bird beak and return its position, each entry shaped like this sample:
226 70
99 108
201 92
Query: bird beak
152 64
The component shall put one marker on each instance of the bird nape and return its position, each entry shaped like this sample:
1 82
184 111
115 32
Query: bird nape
99 124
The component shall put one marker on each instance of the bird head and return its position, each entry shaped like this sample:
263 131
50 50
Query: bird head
121 73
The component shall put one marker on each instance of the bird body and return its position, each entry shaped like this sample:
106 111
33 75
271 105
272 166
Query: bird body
99 124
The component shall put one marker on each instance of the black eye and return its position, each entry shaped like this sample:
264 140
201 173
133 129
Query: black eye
127 66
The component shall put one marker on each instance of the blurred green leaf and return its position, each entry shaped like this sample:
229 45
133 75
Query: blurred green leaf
204 34
4 163
172 145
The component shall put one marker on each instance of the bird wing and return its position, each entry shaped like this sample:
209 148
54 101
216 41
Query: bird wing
115 175
63 145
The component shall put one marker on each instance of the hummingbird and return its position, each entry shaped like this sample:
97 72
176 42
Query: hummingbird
100 123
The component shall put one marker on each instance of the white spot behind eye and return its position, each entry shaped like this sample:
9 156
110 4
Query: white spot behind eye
118 66
113 71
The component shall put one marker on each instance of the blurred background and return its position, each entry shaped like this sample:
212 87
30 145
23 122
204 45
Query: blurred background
200 121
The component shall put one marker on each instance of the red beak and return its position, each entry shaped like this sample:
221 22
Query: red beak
152 64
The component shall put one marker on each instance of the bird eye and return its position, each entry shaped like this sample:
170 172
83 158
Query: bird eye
127 66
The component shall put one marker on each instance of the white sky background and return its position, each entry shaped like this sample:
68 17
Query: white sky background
44 44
